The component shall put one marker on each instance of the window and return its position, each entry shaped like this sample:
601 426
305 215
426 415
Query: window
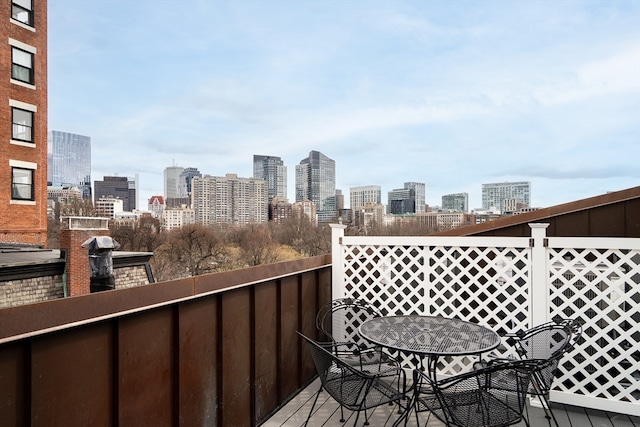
22 65
22 184
22 11
22 125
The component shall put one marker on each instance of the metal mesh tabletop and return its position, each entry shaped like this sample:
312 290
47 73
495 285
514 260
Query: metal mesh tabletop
429 335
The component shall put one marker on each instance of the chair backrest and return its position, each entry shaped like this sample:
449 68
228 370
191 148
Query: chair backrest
494 395
348 386
549 341
340 319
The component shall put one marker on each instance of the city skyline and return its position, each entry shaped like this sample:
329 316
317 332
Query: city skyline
451 94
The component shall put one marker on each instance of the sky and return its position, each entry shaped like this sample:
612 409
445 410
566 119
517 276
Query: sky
454 94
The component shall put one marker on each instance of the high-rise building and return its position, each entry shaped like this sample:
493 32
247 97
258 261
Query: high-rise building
172 182
458 202
419 191
118 187
69 161
359 197
23 111
272 170
495 194
229 200
184 181
316 181
407 200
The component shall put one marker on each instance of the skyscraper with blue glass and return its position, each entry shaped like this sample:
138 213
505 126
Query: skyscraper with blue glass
69 161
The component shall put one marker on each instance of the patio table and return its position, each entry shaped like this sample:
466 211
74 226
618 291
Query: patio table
429 337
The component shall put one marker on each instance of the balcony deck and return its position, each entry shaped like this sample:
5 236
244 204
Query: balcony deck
327 413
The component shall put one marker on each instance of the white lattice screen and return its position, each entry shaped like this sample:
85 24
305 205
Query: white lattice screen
600 286
489 280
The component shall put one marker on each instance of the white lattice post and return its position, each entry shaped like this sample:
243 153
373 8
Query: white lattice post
539 310
337 263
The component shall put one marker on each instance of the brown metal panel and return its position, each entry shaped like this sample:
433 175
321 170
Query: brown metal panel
14 375
146 368
325 289
217 281
198 366
51 314
632 218
289 341
309 299
575 224
72 377
607 221
266 344
237 358
309 283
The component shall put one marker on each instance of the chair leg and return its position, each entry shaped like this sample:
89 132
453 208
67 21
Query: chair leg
312 406
544 401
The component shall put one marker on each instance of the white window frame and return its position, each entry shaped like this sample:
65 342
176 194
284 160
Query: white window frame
28 107
15 44
24 6
18 164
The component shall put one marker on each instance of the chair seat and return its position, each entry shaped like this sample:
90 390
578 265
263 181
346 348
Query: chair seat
489 397
474 409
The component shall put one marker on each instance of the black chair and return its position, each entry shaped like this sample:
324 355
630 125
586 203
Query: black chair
549 341
353 388
339 321
493 396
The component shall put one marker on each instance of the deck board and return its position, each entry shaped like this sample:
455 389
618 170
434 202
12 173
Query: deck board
327 414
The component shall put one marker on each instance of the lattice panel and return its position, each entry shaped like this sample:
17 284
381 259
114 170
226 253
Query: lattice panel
393 277
602 288
486 285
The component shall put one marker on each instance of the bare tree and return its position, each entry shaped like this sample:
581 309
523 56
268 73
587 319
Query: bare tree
142 235
299 232
190 251
78 207
257 246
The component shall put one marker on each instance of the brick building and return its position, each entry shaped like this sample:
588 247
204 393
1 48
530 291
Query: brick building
23 122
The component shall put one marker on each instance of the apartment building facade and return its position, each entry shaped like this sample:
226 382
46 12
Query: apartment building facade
23 112
229 200
359 197
495 194
458 202
273 170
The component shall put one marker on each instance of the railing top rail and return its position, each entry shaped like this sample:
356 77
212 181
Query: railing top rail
595 242
481 241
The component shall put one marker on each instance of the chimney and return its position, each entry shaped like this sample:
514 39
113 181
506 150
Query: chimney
75 231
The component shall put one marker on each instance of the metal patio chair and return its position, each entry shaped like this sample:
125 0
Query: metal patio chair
355 389
493 396
339 321
549 341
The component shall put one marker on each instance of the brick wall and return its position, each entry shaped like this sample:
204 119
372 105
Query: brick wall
28 291
128 277
24 222
78 270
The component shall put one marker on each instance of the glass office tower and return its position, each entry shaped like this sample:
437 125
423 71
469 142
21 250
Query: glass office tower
69 161
316 181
